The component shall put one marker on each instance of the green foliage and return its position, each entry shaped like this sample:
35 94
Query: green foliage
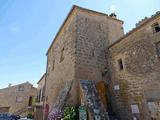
69 113
30 116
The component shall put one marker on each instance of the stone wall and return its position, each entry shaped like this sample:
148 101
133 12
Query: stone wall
61 61
4 109
94 33
139 81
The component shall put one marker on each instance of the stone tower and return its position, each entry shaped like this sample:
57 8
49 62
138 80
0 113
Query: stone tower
78 51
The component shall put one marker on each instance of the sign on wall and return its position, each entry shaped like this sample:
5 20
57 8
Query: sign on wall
116 87
135 108
82 113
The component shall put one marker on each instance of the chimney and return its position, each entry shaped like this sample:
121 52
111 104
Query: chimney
142 21
113 15
9 85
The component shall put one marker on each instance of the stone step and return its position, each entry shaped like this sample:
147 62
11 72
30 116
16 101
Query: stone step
93 100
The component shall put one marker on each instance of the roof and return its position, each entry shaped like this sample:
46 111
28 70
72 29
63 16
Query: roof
70 13
134 29
17 85
41 78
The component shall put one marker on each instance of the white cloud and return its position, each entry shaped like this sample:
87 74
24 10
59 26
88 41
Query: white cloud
15 28
112 8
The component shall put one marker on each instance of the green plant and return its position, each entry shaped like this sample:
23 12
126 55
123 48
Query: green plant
30 116
69 113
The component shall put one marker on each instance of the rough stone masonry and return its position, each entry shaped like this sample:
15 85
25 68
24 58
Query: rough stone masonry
92 46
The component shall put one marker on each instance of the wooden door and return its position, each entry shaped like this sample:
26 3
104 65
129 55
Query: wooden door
101 89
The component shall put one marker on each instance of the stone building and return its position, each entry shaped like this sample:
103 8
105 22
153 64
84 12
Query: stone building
40 99
89 51
134 65
77 53
40 91
16 99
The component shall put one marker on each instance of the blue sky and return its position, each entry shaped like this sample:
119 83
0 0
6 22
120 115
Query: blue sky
27 28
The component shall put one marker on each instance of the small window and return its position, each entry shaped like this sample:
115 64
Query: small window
53 64
39 95
93 52
120 64
43 93
158 49
62 55
21 88
156 27
19 99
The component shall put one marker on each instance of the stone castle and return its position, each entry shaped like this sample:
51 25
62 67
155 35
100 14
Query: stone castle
90 53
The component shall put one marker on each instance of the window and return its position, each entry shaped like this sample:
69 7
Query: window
62 55
39 96
120 64
158 49
19 99
156 27
43 91
53 64
21 88
93 53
